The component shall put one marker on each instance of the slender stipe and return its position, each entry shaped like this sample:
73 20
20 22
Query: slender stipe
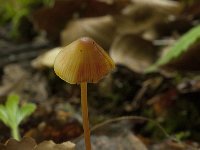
86 125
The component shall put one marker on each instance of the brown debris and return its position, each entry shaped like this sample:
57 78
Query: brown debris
28 143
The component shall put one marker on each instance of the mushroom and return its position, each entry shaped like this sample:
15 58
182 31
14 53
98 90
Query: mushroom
81 62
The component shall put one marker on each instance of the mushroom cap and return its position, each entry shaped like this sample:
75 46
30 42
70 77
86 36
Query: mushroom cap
82 61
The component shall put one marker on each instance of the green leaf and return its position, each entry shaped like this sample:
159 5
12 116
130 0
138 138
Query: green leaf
12 102
12 108
12 114
25 111
181 46
3 115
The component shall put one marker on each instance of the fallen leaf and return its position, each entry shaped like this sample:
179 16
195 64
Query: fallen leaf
53 19
46 59
144 15
28 143
101 29
133 52
25 144
50 145
166 5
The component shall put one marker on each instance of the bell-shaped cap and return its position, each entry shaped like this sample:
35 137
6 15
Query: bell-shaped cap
82 61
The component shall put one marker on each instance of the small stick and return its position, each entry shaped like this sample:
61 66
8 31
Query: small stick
85 115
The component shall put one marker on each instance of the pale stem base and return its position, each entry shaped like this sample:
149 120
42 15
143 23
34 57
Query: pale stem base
15 133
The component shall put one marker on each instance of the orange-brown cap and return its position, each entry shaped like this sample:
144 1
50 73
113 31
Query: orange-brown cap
82 61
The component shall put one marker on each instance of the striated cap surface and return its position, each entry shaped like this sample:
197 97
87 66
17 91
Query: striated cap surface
82 61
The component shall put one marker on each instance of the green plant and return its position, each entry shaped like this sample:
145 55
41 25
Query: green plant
12 115
180 47
12 11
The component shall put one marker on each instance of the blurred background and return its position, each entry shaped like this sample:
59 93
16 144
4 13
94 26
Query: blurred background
155 45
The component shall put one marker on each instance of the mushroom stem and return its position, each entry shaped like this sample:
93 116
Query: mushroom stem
85 115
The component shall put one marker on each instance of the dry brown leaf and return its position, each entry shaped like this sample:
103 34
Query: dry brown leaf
50 145
56 130
143 15
28 143
101 29
167 5
133 52
53 19
25 144
46 59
